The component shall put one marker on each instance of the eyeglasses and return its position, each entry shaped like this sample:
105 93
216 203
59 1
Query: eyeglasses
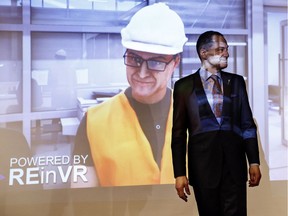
136 61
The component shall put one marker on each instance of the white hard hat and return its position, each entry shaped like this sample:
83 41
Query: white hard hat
155 29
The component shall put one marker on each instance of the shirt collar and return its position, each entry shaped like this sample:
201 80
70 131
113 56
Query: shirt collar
205 75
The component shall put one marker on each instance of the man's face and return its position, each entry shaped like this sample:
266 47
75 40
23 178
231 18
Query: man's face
148 85
216 57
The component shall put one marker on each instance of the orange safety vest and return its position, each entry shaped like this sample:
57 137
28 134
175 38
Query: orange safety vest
121 153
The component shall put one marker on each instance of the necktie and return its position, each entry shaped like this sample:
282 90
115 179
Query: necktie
217 96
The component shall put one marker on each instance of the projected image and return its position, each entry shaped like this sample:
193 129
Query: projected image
127 139
120 137
99 113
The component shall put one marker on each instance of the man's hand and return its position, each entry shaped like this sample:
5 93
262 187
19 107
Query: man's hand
182 187
255 175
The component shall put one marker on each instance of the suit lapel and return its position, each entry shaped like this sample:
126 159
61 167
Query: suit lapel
227 81
205 110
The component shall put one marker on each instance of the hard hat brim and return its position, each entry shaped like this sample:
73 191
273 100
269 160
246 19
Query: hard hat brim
151 48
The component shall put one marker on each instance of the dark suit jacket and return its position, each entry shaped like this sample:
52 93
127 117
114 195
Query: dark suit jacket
210 143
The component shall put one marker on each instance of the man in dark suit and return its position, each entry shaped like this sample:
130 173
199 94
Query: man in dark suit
222 134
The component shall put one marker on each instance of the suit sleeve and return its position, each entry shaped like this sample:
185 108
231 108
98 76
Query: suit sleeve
179 129
248 126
